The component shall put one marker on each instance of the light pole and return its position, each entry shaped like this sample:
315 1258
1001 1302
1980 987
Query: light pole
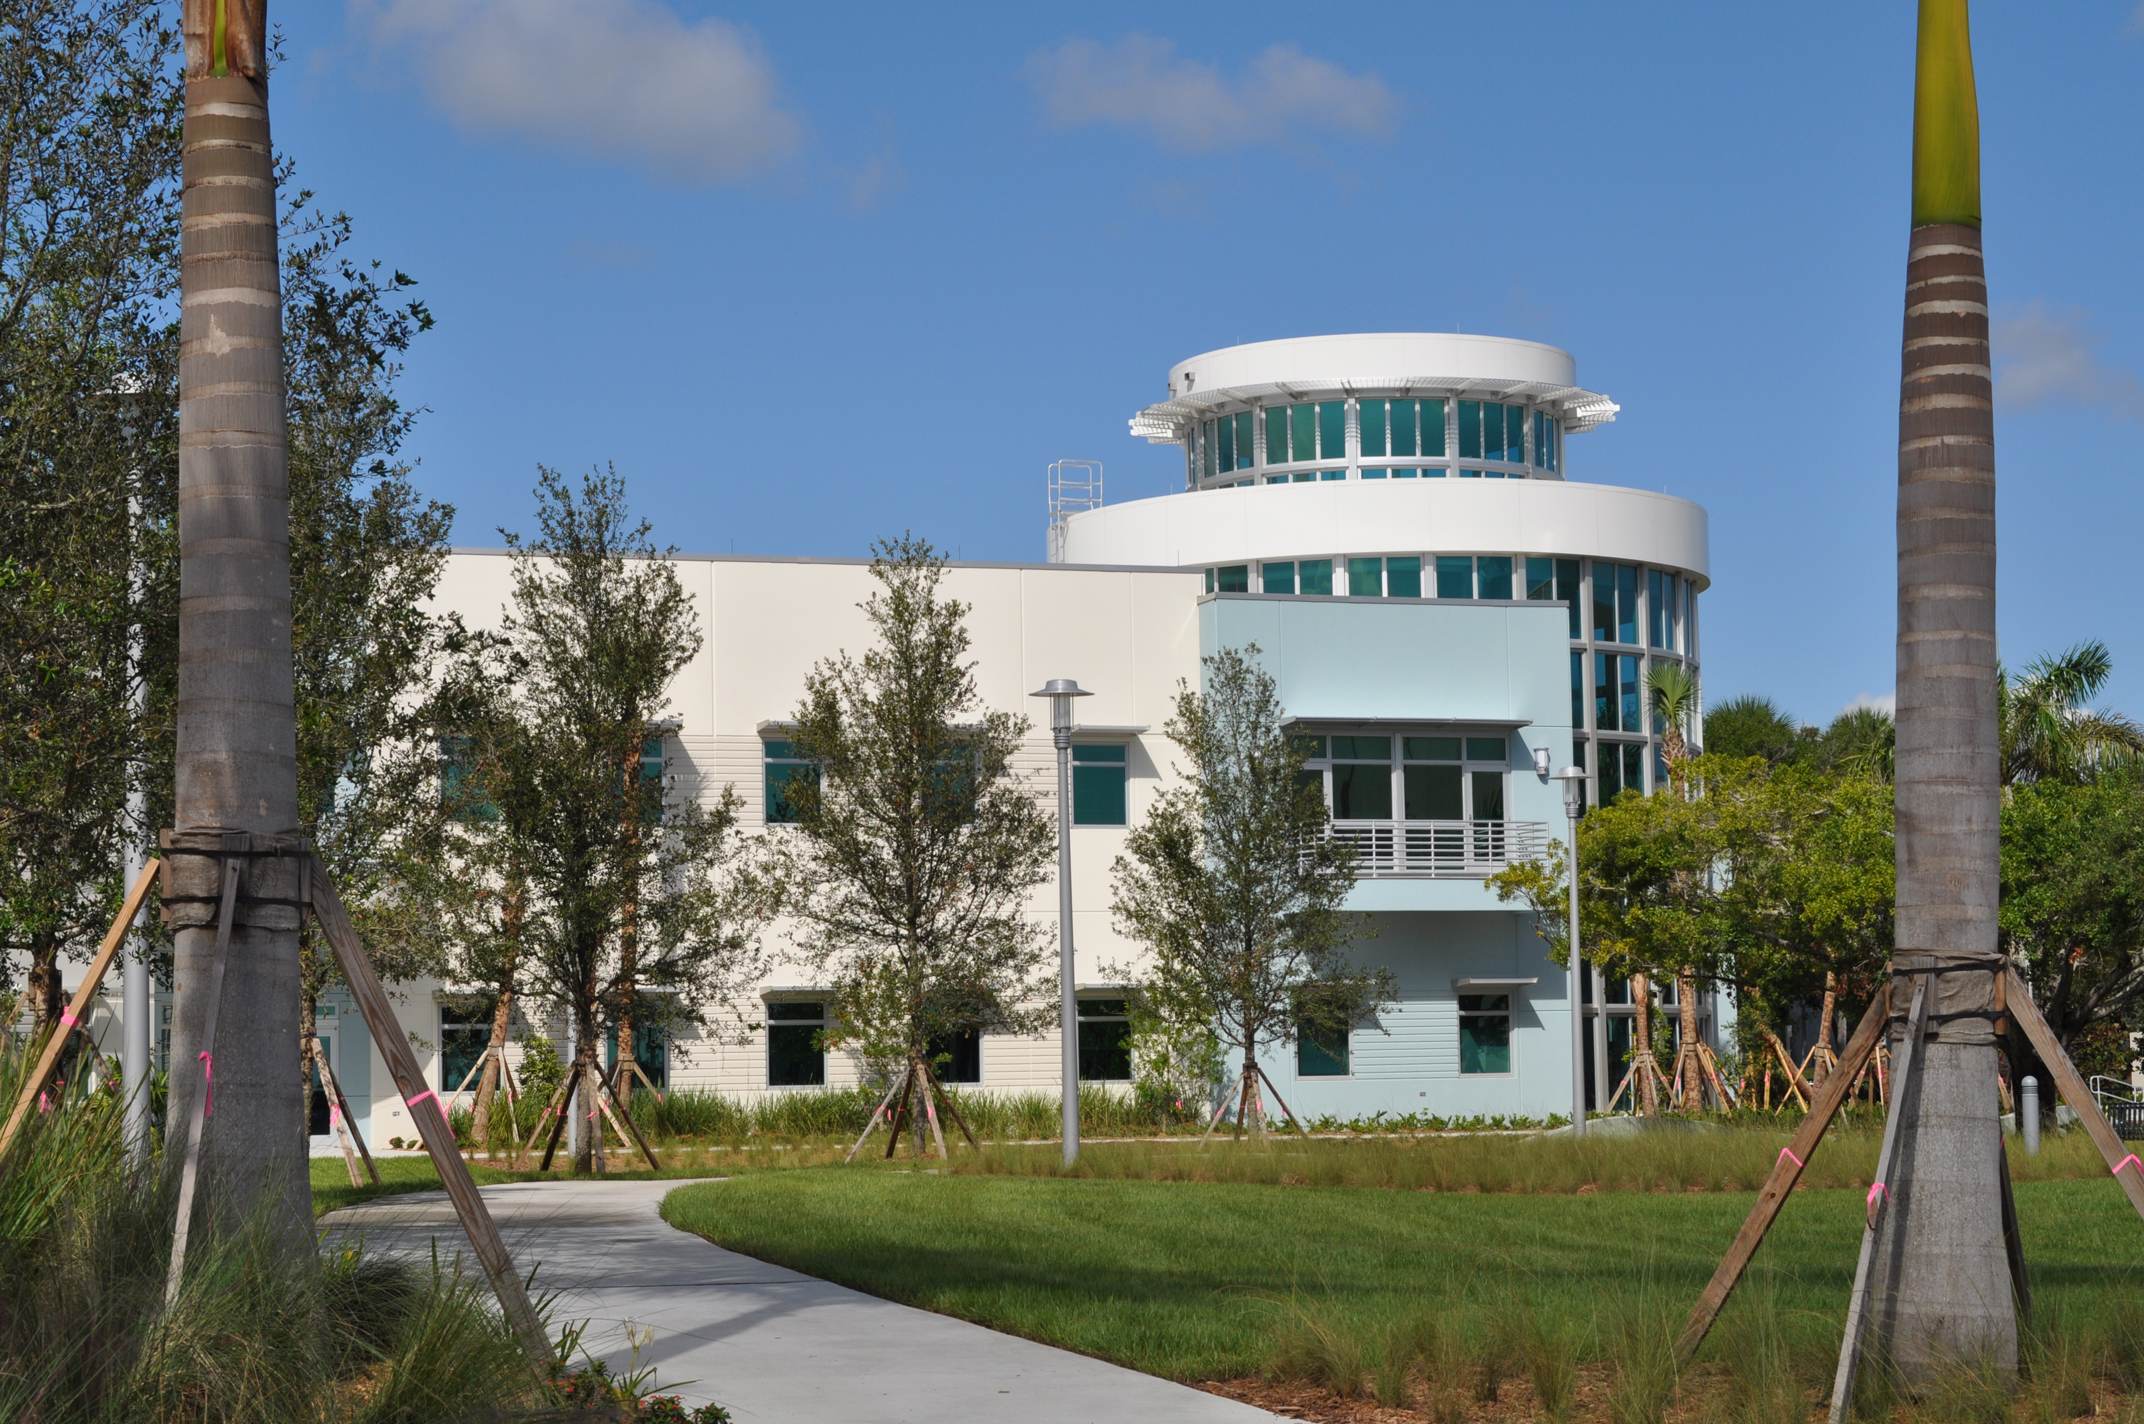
1574 805
1061 691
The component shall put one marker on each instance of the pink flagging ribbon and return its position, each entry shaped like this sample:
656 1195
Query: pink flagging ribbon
1878 1190
208 1082
2132 1157
1787 1154
43 1105
67 1017
334 1114
411 1103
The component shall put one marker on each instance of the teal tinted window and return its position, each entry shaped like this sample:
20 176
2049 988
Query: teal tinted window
1403 428
794 1057
1492 431
1403 577
1433 427
1320 1051
1332 430
1105 1042
464 1034
1455 576
1305 478
1433 793
1626 603
1485 1033
1657 593
1540 579
1604 703
1366 578
1232 578
1604 603
1362 749
1493 576
1633 720
1226 430
1548 434
1488 749
1404 474
1633 766
1578 690
1435 472
1567 588
1332 474
1307 746
1302 432
1276 435
1277 578
781 769
1098 774
1470 430
1611 777
1209 580
1246 448
1431 748
1371 413
1488 795
1515 433
1315 576
1362 791
1206 449
1373 474
1470 474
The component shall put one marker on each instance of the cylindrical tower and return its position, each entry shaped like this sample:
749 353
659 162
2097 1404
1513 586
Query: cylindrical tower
1426 467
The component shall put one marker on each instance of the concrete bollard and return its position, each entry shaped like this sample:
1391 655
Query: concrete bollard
2028 1112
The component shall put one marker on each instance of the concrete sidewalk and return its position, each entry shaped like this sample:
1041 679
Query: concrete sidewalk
767 1342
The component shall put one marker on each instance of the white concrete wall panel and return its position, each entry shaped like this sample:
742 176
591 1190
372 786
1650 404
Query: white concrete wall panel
1375 356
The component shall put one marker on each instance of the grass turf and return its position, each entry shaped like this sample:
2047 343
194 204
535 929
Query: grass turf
1196 1280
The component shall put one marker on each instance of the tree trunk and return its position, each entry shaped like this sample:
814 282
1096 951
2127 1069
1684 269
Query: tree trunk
582 1101
502 1012
236 753
1641 994
43 982
1687 1061
1823 1028
1942 1291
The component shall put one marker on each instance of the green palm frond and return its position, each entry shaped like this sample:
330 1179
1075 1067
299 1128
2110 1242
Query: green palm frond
2047 731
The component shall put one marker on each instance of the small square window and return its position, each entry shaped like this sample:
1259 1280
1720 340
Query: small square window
1232 578
1277 578
1455 576
1493 571
1316 577
794 1056
1485 1033
1403 577
1105 1041
783 767
1098 780
1320 1051
1366 578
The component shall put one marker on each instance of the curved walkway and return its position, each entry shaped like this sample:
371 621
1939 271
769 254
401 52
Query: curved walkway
771 1344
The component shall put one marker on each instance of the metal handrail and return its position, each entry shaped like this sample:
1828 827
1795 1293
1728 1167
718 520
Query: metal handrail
2104 1096
1457 849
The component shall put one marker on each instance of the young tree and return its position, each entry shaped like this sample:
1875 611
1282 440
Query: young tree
598 628
1236 888
915 845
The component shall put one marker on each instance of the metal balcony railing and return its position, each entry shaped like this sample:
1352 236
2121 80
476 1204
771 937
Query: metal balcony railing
1441 848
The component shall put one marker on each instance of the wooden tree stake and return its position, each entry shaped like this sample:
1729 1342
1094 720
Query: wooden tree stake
1222 1110
951 1110
423 1105
871 1126
190 1174
78 1007
318 1058
2127 1169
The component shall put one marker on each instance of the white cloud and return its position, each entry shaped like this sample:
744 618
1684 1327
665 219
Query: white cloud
623 79
1192 107
2045 357
1886 703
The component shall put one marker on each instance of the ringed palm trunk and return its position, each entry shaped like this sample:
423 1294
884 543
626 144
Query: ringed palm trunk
236 754
1942 1289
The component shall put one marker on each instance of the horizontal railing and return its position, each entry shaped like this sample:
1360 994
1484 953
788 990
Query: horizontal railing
1453 848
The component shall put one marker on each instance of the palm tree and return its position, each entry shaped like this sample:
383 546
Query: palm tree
1674 693
2047 732
1943 1277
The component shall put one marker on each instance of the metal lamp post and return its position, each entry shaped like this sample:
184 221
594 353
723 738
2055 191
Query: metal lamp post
1061 691
1574 805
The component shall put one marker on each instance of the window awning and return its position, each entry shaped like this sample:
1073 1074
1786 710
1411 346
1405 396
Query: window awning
1479 982
1509 724
773 726
1099 729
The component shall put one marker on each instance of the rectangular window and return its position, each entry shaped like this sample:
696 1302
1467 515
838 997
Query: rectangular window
1492 573
1604 603
1540 580
1470 430
1207 447
650 1051
1492 431
1209 580
1434 792
1246 435
1488 748
794 1056
1277 578
1455 576
1226 429
1611 773
1403 429
1656 609
1332 474
1371 416
1320 1051
1626 603
1332 430
1316 577
1374 474
1578 691
1403 577
957 1057
1310 747
782 768
1433 428
1302 432
1515 434
464 1034
1604 703
1633 717
1488 795
1362 778
1634 766
1305 478
1430 748
1233 578
1485 1033
1674 596
1276 435
1405 474
1105 1042
1098 778
1366 578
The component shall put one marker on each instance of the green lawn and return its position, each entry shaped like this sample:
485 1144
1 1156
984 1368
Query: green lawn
1191 1279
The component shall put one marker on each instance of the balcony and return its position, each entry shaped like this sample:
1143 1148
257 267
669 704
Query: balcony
1441 849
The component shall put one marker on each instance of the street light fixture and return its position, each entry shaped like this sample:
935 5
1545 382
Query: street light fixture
1574 806
1061 691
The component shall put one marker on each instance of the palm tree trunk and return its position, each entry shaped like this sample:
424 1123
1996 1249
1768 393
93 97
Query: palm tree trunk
1823 1029
1641 994
1944 1276
236 754
1687 1062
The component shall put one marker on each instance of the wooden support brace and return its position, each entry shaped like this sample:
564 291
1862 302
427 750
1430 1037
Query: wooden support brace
876 1113
1222 1110
951 1109
423 1105
930 1109
1285 1109
628 1127
556 1103
78 1007
900 1111
190 1173
1786 1171
2124 1164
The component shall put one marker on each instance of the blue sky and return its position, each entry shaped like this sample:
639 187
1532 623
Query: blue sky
813 275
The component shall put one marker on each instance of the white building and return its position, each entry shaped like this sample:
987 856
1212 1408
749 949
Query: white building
1392 519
